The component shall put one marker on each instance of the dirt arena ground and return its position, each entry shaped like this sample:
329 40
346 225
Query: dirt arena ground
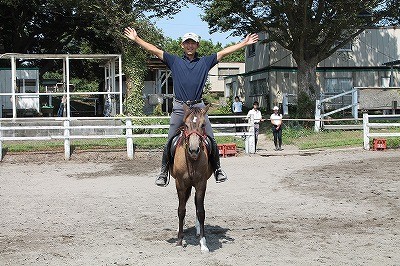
336 207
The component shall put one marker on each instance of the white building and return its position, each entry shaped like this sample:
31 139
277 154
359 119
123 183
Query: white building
222 70
27 91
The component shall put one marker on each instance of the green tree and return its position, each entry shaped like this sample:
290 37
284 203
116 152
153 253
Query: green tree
311 29
238 56
206 47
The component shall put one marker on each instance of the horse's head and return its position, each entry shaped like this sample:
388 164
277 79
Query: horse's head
195 125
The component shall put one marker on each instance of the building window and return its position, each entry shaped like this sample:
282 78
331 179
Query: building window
258 87
26 85
227 71
251 50
385 82
334 86
338 85
348 47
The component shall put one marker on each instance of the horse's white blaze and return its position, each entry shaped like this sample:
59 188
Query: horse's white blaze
197 224
203 245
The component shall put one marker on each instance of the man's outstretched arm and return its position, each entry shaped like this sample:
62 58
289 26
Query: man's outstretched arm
132 34
250 39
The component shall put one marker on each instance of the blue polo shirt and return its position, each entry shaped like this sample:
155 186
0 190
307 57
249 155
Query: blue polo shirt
189 76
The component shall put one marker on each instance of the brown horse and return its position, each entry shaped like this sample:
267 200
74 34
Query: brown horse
191 168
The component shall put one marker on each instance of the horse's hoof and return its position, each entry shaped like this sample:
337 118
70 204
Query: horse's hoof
204 250
203 245
179 243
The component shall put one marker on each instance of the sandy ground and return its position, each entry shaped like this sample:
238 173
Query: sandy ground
335 207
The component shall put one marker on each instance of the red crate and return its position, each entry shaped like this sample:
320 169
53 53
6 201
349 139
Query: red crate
221 150
230 149
379 144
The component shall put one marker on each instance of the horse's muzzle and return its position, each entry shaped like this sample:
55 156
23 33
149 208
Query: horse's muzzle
194 152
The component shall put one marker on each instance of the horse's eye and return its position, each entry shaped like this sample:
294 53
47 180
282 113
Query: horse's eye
203 125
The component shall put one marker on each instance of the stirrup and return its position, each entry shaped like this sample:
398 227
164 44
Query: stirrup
220 172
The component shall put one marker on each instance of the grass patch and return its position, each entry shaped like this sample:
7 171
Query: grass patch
308 139
24 146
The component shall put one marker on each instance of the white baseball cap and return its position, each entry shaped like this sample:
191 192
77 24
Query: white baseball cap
191 36
276 108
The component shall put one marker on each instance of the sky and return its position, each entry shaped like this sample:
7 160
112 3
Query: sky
188 20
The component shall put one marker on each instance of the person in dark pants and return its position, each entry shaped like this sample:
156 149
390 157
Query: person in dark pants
189 74
276 121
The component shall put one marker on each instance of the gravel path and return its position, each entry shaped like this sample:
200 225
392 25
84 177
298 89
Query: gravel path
336 207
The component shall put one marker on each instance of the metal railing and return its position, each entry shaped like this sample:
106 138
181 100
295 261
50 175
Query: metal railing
319 117
65 130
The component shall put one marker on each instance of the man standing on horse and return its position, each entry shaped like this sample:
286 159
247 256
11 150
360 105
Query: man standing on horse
189 74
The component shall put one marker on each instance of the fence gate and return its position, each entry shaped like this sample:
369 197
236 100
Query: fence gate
319 116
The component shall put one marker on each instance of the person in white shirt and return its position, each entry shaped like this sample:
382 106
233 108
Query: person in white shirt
237 106
276 121
237 110
257 119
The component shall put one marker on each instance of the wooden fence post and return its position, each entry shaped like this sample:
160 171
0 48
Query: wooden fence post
317 123
366 131
129 138
1 144
67 141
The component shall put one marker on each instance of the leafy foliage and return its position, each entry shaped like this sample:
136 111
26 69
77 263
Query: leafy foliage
206 47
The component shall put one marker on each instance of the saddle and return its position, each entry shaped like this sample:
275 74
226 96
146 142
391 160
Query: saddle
177 139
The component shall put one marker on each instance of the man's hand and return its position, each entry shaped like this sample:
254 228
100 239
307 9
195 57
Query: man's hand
130 33
250 39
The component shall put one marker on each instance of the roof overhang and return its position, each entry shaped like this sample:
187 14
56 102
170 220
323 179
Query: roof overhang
392 63
59 56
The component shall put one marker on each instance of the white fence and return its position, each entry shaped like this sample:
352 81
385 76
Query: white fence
64 126
367 125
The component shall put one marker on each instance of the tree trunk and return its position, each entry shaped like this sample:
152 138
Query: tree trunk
307 79
307 89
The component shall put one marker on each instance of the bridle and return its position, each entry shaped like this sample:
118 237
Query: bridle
186 136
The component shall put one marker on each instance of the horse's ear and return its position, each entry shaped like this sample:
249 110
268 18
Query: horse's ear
205 109
185 108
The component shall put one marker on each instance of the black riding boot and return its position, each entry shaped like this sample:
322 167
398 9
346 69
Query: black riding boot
163 178
219 174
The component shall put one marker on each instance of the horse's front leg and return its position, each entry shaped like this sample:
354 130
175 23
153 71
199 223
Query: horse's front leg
182 195
200 215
